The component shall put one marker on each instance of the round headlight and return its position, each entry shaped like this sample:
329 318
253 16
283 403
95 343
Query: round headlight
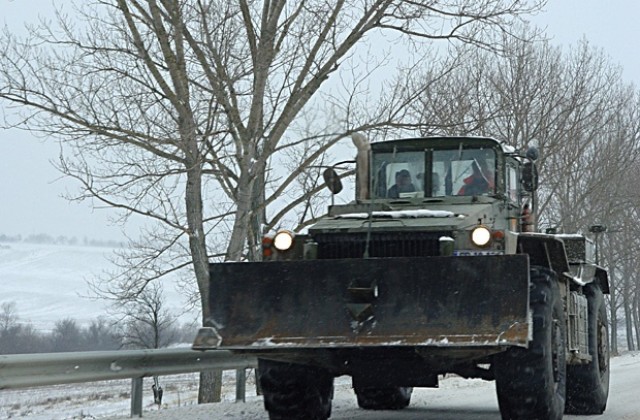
480 236
283 240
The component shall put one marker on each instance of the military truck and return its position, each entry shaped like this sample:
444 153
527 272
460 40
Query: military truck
435 268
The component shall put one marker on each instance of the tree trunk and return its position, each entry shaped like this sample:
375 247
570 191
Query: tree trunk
210 381
241 224
258 217
636 317
613 319
628 321
626 301
210 389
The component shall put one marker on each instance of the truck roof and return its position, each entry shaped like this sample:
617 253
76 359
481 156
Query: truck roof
441 141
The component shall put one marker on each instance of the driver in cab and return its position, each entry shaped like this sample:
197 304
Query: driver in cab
403 184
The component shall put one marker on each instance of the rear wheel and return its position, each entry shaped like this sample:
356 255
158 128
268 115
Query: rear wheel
588 385
392 398
295 392
530 383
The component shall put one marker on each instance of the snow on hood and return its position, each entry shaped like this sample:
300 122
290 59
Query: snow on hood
401 214
569 236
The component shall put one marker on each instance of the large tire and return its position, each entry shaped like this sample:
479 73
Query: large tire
531 382
588 385
392 398
295 392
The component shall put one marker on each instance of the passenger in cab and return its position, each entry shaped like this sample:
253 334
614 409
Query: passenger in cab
481 181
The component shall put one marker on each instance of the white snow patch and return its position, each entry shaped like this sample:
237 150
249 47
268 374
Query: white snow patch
401 214
569 236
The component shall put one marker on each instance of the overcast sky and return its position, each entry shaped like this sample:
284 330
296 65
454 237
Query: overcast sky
31 189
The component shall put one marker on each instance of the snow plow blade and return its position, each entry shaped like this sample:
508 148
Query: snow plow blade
475 301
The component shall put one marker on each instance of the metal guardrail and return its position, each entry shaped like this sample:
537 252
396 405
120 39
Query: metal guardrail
29 370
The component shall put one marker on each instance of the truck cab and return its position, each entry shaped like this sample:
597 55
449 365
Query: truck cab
448 195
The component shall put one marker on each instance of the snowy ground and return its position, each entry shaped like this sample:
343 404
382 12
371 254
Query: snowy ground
109 399
50 282
456 399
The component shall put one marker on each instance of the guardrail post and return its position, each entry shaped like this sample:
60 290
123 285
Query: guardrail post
241 385
136 397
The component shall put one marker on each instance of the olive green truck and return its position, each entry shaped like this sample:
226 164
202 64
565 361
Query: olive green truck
433 269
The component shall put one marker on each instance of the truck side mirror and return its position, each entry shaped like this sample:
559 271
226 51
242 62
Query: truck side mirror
332 180
529 177
529 171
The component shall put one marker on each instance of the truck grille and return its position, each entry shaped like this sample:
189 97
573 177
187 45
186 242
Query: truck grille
397 244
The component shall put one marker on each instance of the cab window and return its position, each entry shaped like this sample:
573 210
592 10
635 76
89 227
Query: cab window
399 174
468 171
512 183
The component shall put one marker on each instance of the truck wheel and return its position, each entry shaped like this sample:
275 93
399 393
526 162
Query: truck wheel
588 385
394 398
530 383
295 392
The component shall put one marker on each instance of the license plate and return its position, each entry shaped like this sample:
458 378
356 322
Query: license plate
475 252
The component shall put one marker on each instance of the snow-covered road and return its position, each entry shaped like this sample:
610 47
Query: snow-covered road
456 399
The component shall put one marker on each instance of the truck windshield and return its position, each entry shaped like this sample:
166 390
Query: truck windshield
450 172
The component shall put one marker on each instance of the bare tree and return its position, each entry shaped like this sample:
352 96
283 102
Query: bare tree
9 328
176 111
100 335
584 119
8 316
66 336
574 107
146 322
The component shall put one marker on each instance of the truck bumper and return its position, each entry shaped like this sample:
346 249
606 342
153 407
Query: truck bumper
479 301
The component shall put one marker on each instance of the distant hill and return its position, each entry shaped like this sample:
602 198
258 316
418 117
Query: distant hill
48 282
46 239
